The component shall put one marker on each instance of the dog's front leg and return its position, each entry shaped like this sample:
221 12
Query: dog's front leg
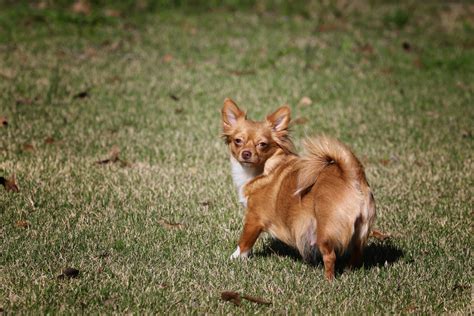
252 229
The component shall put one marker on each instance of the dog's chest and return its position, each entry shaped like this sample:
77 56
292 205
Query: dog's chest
241 176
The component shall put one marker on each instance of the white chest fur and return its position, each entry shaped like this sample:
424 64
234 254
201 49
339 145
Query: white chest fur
241 176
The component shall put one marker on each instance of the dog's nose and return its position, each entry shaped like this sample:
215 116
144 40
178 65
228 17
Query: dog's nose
246 155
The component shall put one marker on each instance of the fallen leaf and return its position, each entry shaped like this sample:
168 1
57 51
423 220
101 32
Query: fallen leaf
243 72
327 27
168 58
236 298
81 7
113 156
10 183
366 49
257 300
385 162
103 255
22 224
406 46
179 110
174 97
305 101
112 13
41 5
411 308
205 203
231 296
300 121
462 85
3 121
386 71
49 140
29 148
81 95
379 235
24 101
418 63
168 224
466 134
7 73
109 302
69 273
461 287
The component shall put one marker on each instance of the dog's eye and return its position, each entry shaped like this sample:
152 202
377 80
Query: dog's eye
262 144
237 141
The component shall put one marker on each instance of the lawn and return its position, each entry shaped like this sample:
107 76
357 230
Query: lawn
110 124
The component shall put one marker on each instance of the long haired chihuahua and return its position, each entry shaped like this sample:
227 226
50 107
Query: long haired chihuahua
320 201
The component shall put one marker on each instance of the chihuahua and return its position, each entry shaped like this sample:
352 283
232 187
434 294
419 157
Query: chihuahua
317 202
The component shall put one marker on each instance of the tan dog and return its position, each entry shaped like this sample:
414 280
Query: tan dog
319 201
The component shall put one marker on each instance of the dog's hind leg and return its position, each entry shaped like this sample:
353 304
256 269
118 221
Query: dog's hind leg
329 259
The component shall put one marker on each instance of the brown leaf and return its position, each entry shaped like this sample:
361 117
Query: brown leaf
231 296
461 85
328 27
257 300
206 203
466 134
49 140
243 72
305 101
406 46
366 49
418 63
28 147
168 58
24 101
10 183
81 7
41 5
379 235
113 156
386 71
7 74
300 121
174 97
178 110
69 273
81 95
168 224
3 121
112 13
385 162
22 224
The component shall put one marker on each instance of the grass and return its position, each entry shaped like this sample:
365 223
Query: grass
154 231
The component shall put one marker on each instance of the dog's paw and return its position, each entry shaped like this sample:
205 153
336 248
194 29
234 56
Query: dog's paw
238 254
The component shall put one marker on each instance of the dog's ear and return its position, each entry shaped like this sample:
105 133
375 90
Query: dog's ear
280 119
278 122
230 114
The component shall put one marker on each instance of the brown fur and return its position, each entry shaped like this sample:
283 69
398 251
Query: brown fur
321 200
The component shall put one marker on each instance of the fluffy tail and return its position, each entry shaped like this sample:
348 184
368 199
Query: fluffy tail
320 153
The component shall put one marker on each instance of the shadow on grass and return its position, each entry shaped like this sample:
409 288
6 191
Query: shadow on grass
376 254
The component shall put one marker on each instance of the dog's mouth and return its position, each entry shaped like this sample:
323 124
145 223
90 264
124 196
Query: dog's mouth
248 163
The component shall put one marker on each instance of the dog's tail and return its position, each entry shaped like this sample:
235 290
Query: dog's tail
322 152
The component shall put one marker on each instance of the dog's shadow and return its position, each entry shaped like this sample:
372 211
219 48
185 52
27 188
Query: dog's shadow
376 254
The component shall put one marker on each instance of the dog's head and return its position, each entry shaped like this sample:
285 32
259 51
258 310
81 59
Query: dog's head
253 143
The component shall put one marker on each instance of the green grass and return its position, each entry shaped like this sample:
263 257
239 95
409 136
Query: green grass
408 113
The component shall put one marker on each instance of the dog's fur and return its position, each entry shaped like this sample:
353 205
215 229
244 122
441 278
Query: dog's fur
319 201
